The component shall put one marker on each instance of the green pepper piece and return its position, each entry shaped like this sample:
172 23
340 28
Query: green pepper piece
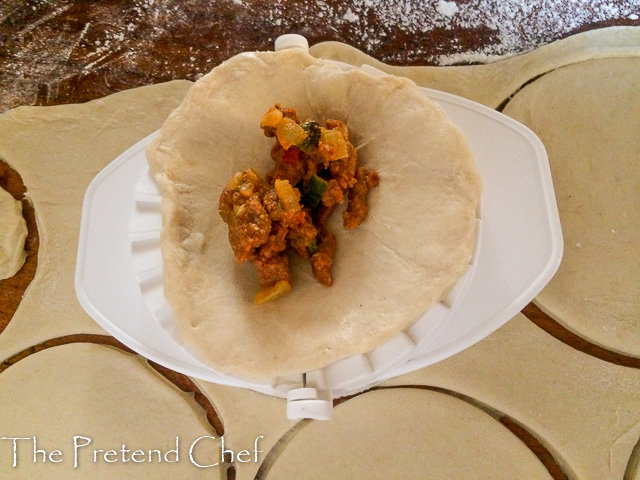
313 191
313 131
312 248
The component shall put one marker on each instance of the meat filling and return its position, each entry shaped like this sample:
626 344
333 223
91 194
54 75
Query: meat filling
315 169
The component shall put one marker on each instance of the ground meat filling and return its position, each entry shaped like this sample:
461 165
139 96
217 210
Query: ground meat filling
322 260
357 207
315 169
241 207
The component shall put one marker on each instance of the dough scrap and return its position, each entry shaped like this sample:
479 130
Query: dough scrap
57 151
12 235
584 410
588 117
405 433
110 397
416 241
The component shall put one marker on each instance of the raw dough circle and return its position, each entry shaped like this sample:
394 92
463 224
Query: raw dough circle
415 243
588 117
407 433
100 393
12 235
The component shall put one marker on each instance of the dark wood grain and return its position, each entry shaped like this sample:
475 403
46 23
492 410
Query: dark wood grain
69 51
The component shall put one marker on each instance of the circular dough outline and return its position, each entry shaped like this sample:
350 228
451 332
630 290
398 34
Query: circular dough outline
385 433
588 114
109 396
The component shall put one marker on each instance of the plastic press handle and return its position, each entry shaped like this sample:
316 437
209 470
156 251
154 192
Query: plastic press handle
291 40
308 402
307 395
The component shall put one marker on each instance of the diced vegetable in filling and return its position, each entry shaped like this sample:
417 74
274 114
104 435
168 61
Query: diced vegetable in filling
315 169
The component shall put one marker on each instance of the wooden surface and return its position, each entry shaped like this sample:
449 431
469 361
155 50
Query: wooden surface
73 51
66 51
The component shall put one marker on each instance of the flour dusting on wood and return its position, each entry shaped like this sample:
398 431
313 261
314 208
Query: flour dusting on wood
70 51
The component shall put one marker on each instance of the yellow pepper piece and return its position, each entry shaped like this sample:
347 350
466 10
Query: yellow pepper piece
289 196
289 133
332 145
273 292
272 118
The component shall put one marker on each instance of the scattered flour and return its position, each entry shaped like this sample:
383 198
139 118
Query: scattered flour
51 51
350 16
447 9
511 26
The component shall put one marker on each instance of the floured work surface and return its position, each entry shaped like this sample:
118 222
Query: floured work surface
579 414
95 49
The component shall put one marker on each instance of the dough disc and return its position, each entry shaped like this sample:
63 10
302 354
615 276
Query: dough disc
407 433
588 116
416 241
110 397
